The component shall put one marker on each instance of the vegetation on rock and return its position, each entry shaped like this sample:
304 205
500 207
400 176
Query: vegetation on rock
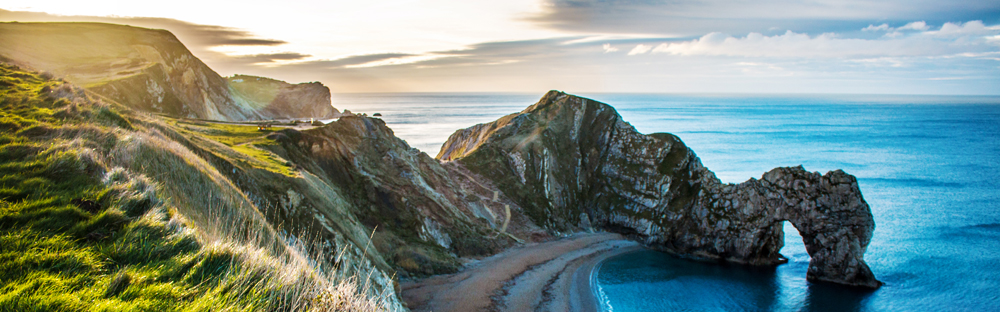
92 218
150 70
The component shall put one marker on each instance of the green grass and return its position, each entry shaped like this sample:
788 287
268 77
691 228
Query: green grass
241 138
54 256
79 234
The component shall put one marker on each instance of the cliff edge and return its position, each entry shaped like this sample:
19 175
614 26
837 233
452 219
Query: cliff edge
279 99
150 70
573 164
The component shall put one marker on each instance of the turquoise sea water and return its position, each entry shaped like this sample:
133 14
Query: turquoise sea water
928 166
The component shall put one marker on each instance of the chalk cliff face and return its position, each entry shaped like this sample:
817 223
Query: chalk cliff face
150 70
573 164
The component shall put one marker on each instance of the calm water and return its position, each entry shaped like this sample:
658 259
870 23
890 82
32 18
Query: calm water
928 166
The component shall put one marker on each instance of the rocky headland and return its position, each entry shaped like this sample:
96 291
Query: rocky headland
574 165
277 99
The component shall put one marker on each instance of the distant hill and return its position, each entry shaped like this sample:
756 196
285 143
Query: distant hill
152 71
279 98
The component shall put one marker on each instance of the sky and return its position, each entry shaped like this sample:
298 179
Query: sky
581 46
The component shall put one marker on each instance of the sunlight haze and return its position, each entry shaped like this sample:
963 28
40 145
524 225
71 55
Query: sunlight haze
778 46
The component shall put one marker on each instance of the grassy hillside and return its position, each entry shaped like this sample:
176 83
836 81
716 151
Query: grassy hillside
100 53
257 89
148 69
105 209
151 70
110 199
278 98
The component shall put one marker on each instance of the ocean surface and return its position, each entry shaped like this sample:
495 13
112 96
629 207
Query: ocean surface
929 167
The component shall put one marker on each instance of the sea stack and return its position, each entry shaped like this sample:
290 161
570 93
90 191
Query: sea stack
573 164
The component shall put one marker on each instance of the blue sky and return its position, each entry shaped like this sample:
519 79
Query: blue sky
679 46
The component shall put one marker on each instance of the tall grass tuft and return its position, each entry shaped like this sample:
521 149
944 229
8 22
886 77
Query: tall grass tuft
99 212
118 284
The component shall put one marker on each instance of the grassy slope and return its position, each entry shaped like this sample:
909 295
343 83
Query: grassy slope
257 90
98 56
240 138
148 69
79 234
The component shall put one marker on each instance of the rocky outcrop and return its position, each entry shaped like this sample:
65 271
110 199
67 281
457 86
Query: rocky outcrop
573 164
149 70
279 99
426 214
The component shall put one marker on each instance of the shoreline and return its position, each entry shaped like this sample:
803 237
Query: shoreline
557 275
584 296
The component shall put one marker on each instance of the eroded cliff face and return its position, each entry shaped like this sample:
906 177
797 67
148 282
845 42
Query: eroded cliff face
279 99
424 214
149 70
573 164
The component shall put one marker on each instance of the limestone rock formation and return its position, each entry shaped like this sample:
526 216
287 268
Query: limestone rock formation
572 163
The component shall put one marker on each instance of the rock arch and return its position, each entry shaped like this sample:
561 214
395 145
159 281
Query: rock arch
571 163
743 223
833 219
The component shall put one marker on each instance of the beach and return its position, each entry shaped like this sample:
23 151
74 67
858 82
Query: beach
547 276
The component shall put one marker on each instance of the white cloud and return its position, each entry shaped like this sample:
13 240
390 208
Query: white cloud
967 29
880 62
334 29
400 60
950 39
921 26
883 27
640 49
608 48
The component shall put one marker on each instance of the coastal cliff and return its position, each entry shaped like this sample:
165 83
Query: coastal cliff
152 71
279 99
573 164
427 215
154 210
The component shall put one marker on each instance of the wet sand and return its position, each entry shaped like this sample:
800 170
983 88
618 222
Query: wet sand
549 276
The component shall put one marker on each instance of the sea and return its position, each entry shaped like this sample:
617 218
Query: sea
929 167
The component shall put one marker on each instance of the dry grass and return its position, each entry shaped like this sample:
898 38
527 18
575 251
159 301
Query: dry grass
100 212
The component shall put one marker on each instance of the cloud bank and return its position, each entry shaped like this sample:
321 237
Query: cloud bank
698 17
651 46
968 38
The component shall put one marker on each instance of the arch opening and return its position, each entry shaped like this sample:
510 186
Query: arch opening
794 248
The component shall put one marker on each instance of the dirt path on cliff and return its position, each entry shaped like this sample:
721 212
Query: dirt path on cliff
276 126
549 276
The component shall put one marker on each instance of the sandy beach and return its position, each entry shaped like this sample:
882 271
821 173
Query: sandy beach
548 276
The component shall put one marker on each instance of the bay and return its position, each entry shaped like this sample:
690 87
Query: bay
927 165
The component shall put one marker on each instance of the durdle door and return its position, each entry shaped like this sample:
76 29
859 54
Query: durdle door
572 164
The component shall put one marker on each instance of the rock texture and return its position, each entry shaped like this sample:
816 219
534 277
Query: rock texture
149 70
573 164
426 214
279 99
